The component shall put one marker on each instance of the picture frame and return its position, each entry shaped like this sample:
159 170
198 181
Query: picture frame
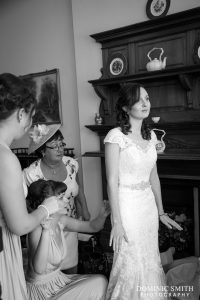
117 65
46 88
157 8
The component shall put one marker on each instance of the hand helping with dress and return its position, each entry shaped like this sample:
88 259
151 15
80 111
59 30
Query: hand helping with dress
99 221
104 211
46 224
167 221
116 236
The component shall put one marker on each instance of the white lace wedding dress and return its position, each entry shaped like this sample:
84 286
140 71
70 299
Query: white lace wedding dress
137 272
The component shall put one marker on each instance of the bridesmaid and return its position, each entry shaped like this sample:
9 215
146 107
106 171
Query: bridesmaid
47 249
17 107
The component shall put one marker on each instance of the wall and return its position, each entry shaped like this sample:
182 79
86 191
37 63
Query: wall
37 36
92 16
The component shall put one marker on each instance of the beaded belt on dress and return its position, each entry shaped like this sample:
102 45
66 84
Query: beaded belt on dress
136 186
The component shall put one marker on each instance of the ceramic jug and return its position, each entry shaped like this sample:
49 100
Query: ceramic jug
156 64
160 145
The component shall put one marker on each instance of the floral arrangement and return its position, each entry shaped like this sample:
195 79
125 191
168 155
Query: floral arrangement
181 240
38 132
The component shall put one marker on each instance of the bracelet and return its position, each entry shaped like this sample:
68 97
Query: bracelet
45 229
41 205
164 214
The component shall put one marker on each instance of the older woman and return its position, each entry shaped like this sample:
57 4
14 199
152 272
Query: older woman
17 107
48 141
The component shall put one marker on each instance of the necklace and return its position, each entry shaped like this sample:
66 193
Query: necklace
53 169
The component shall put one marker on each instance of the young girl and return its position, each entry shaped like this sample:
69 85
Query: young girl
46 250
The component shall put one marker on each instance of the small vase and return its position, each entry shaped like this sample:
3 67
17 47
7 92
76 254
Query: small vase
160 145
98 119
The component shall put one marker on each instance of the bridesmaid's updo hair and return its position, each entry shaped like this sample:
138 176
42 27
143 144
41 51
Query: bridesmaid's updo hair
14 94
128 96
39 190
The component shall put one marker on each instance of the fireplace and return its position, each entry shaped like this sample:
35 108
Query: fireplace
180 193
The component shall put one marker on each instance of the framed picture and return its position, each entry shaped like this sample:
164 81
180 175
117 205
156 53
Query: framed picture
46 87
157 8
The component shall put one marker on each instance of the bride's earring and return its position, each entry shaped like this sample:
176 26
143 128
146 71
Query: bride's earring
19 116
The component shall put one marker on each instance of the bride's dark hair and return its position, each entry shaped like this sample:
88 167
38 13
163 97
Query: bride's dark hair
128 96
14 94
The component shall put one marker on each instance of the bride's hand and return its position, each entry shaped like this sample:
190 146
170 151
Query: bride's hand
167 221
116 236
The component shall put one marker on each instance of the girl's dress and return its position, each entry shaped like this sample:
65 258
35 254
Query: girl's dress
33 173
137 272
54 284
12 278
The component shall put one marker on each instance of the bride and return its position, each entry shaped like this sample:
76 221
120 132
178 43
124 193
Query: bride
136 204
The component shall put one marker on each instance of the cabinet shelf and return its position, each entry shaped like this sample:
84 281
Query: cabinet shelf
181 126
149 76
100 129
93 154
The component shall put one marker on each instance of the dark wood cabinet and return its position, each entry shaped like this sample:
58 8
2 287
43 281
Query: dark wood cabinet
174 93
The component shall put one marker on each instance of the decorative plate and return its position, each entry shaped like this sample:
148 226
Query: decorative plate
196 51
157 8
117 64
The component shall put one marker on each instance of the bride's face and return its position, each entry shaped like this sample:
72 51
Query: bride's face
141 109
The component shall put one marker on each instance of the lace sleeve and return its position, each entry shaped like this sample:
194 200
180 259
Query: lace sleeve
115 136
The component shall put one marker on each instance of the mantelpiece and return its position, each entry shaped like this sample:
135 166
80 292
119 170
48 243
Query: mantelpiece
174 95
